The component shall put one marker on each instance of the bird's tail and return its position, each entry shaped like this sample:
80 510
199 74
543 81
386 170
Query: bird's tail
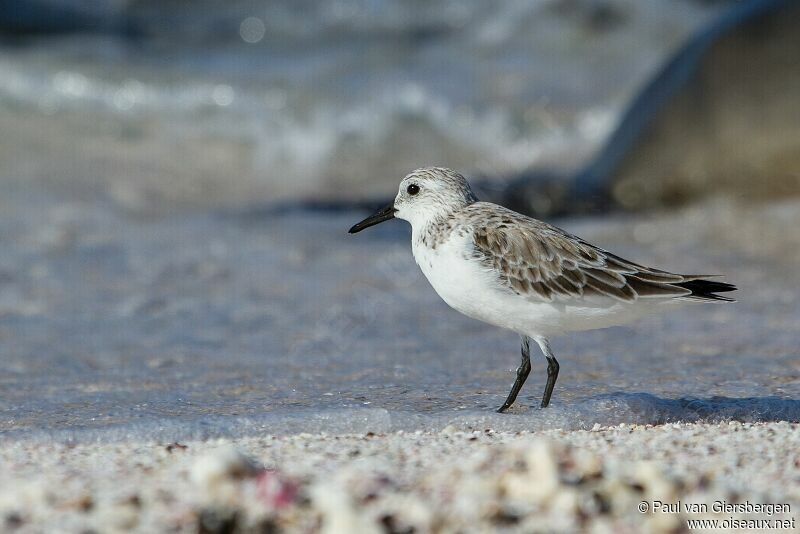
705 290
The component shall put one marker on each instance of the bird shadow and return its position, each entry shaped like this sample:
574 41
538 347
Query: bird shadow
650 409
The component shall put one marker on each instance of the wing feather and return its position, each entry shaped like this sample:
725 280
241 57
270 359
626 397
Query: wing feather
542 262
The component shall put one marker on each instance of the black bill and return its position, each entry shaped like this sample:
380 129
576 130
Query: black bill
383 214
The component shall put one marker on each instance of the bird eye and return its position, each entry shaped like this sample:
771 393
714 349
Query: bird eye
412 189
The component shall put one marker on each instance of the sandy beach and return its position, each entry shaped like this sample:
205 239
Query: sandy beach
455 480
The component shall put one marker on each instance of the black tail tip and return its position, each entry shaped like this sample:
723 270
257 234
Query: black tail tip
708 289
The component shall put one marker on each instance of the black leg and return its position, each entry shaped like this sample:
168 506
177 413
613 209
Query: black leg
552 375
552 369
523 371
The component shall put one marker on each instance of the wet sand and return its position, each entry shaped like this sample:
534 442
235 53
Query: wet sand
240 324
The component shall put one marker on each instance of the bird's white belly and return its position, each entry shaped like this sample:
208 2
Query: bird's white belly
472 289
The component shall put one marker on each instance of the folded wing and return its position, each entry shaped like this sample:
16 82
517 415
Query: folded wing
543 262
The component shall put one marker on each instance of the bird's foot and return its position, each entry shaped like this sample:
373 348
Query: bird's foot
503 408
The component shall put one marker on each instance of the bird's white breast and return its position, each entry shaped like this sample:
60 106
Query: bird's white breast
461 282
472 288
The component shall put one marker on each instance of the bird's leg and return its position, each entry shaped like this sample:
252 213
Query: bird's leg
552 369
523 371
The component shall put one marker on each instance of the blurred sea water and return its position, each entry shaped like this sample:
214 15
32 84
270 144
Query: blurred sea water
156 105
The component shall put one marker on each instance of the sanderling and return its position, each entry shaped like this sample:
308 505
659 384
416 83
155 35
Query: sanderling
518 273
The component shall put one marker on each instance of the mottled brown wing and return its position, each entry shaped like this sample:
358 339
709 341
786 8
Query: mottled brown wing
540 261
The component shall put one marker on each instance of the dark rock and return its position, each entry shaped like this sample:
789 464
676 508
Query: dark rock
722 115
